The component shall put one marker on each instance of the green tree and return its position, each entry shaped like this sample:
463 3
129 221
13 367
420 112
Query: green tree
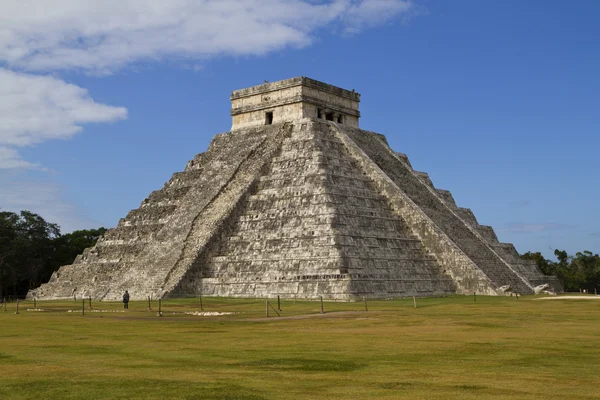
586 267
8 233
35 245
31 249
581 271
564 271
26 250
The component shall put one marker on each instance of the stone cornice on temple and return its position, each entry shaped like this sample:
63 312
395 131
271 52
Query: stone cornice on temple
292 82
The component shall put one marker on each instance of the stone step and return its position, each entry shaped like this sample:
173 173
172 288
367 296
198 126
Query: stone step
277 208
393 258
467 215
261 202
308 148
488 233
367 214
404 158
118 251
446 196
198 178
346 215
150 214
291 159
168 194
308 242
316 181
158 204
321 201
424 176
342 224
303 190
331 175
133 232
387 229
242 236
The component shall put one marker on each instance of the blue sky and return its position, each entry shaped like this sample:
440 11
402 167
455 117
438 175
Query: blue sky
101 101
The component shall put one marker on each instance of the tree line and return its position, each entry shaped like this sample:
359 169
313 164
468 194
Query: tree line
31 249
581 271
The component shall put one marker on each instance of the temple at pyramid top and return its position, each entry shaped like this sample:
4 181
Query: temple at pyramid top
291 100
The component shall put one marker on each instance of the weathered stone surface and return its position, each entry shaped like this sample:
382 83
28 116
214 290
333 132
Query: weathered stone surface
297 201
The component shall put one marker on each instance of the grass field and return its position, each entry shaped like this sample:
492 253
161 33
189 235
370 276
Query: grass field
496 348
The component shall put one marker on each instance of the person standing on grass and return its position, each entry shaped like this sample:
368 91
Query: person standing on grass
126 300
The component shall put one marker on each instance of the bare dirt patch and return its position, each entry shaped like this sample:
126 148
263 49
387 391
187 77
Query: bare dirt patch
570 298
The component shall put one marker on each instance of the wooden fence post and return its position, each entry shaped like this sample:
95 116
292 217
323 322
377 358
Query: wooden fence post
365 301
415 301
322 312
82 305
17 312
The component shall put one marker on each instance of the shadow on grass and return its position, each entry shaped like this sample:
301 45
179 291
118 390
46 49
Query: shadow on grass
398 385
306 365
470 387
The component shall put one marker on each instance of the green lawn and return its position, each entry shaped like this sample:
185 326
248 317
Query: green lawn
496 348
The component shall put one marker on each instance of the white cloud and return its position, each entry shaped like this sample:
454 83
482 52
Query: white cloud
9 159
35 108
100 36
373 12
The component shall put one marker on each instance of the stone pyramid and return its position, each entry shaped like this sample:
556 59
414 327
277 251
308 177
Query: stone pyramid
297 201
